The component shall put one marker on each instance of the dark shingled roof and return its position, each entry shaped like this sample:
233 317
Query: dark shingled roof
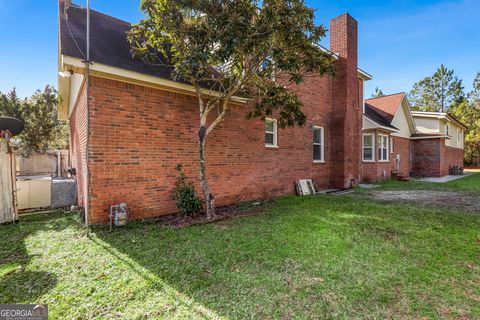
377 116
108 41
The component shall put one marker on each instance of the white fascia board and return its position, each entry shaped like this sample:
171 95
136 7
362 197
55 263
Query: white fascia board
103 70
431 137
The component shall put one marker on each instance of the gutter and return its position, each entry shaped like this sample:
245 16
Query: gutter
119 74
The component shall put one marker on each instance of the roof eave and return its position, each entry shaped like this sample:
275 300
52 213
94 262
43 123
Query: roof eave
119 74
360 73
380 126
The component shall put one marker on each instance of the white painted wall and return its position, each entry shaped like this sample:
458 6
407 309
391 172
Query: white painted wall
401 123
76 81
368 124
457 136
427 125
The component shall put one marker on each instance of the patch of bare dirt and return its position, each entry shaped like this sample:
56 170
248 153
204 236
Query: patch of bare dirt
222 213
449 199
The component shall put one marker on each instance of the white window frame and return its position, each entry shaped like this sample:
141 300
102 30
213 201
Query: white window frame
274 132
321 143
370 147
381 146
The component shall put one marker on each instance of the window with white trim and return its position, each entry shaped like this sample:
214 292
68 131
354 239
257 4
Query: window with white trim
318 144
448 130
382 147
368 147
271 139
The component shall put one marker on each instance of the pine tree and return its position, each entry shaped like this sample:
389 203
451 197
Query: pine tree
437 93
378 93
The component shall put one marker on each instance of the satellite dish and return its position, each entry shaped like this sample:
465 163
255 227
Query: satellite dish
12 125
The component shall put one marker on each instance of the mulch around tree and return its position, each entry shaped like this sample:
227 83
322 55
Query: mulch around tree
222 213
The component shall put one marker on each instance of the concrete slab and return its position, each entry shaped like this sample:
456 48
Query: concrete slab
369 186
445 178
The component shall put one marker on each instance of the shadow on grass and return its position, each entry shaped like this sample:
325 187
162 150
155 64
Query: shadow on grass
240 268
308 258
21 286
17 283
298 260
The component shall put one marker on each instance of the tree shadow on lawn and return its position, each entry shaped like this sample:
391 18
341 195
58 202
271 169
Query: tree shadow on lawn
307 258
18 284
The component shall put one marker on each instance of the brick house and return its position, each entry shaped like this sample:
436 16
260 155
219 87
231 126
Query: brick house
398 142
132 125
142 124
438 144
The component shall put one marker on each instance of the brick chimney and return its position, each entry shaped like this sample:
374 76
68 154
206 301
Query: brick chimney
346 118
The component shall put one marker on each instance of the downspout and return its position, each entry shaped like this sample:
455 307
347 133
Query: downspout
87 83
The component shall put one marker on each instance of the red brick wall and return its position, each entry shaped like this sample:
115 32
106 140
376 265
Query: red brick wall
78 143
401 146
380 170
140 134
376 171
347 116
453 157
427 157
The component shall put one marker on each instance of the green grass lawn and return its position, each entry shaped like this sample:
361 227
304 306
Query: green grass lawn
319 257
470 184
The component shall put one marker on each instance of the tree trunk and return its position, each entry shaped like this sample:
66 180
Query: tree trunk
208 196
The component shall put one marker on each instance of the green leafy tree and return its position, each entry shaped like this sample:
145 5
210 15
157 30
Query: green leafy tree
231 51
474 96
43 131
437 93
468 112
378 93
11 105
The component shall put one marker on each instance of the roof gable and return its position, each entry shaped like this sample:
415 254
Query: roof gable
387 106
377 116
403 120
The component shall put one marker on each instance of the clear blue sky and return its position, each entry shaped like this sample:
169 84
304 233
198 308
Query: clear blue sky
400 42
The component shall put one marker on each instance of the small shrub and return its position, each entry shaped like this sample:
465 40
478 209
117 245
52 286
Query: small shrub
185 195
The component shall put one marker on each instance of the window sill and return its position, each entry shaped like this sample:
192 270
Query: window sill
383 160
369 161
318 161
269 146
